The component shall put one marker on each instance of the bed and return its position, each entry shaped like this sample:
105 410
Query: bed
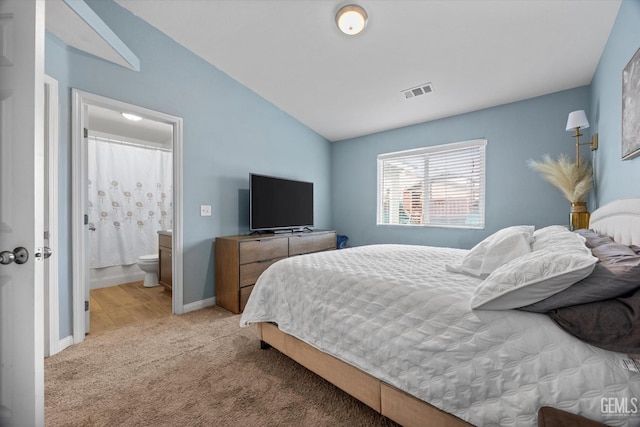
440 336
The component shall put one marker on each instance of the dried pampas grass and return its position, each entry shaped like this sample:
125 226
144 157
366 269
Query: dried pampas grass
574 181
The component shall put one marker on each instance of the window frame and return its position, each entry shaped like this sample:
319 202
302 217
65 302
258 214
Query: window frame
424 153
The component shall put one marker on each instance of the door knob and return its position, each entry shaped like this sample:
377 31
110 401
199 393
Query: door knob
7 257
19 255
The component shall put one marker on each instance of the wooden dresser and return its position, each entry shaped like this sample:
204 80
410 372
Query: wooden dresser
239 260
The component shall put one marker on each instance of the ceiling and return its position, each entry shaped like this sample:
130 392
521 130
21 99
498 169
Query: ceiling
475 53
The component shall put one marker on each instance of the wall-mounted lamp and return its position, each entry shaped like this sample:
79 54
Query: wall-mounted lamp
351 19
578 120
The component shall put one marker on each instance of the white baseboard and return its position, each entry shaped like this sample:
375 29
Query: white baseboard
114 275
199 304
62 344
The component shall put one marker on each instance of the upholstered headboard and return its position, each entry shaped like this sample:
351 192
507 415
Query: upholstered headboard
619 219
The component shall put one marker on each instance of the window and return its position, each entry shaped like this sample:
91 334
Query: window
441 186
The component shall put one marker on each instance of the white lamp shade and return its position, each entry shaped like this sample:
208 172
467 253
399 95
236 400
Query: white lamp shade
351 19
577 119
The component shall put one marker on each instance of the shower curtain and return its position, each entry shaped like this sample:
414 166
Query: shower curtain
130 200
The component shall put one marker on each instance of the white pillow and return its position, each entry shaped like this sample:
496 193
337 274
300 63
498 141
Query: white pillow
560 260
496 250
548 236
550 230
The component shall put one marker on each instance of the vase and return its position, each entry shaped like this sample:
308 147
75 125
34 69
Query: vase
579 216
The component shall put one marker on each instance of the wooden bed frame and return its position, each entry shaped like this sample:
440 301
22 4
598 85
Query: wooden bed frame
380 396
619 219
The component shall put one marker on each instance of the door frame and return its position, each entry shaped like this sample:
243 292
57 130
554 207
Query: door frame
80 249
51 291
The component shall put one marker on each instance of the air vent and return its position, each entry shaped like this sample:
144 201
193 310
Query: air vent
418 90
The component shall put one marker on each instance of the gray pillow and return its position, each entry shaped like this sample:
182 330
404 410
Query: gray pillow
613 324
617 273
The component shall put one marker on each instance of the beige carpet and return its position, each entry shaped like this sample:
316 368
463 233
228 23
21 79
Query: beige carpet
198 369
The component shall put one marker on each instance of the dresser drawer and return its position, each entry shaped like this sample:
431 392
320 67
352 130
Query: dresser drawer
263 250
244 296
249 273
240 260
305 244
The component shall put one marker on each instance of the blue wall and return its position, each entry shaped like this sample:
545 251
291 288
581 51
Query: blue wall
515 194
229 131
615 178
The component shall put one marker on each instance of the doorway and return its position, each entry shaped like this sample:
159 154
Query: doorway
86 108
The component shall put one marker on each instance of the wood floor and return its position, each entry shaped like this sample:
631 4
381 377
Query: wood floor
117 306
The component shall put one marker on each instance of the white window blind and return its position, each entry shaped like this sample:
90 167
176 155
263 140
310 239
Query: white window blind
442 186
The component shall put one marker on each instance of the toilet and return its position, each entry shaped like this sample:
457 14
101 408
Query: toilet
149 264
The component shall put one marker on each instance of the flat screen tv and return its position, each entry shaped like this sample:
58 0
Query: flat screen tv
279 204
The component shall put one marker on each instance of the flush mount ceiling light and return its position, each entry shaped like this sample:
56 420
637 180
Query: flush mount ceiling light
131 117
351 19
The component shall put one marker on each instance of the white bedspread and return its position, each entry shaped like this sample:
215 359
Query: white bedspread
394 312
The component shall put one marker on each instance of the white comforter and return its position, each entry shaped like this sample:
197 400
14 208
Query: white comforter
394 312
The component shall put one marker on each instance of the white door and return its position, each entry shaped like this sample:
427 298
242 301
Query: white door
21 180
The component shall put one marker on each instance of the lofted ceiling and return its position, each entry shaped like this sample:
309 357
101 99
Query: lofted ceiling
76 24
475 53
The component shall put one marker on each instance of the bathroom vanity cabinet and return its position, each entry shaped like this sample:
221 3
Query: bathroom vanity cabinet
240 260
165 261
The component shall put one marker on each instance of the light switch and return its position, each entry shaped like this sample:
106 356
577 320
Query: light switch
205 210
